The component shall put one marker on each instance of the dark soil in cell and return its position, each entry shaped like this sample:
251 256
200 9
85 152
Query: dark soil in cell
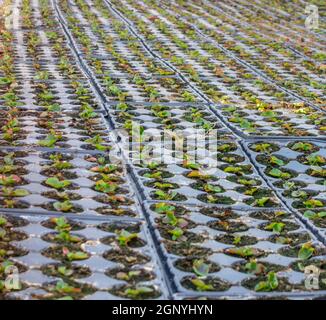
244 180
91 147
317 217
17 169
187 264
161 185
126 257
226 147
265 147
208 284
228 226
60 252
317 173
258 268
132 275
236 240
66 271
118 226
16 154
219 213
76 292
255 192
309 203
176 196
290 185
115 212
50 207
155 174
286 226
177 210
13 222
245 252
74 225
72 186
166 121
270 215
207 187
133 243
302 146
119 190
14 204
199 176
230 158
292 239
182 222
301 265
283 284
166 233
214 199
239 170
114 201
294 251
12 235
132 292
283 174
304 159
60 174
186 249
111 177
268 160
61 196
256 202
7 250
301 194
64 156
55 237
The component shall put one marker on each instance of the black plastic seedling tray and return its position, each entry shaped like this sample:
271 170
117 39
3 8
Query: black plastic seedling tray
82 218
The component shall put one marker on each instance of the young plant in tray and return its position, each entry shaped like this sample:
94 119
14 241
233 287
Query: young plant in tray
271 283
65 206
306 251
10 180
57 184
74 255
106 186
58 163
98 143
52 138
125 238
167 195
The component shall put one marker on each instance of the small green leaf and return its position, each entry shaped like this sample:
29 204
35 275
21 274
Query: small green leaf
201 268
306 251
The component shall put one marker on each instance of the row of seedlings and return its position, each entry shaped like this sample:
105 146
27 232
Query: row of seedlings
285 73
71 258
160 113
252 105
119 61
303 39
214 252
70 224
296 169
263 40
309 48
307 91
171 229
